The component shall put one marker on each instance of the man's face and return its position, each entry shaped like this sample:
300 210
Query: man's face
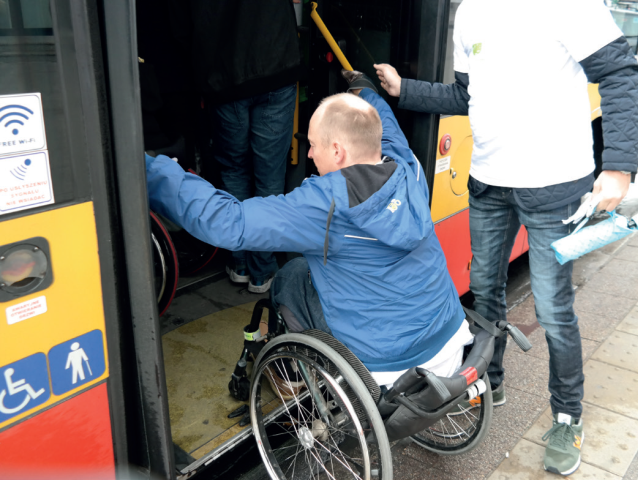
322 156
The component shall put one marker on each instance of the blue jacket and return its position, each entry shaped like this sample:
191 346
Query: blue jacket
384 286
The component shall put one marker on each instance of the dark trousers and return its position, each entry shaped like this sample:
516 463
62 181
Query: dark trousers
293 293
495 219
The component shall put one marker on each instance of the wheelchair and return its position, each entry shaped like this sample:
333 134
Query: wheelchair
316 411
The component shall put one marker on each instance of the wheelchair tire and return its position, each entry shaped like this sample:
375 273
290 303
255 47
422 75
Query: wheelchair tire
298 438
462 432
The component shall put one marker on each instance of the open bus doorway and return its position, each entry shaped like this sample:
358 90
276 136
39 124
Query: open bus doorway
202 329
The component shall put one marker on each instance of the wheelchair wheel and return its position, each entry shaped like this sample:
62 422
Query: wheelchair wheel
166 268
312 415
462 431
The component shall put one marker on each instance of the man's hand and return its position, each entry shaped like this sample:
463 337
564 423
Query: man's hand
611 187
390 79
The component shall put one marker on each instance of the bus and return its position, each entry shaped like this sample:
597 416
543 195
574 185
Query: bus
116 348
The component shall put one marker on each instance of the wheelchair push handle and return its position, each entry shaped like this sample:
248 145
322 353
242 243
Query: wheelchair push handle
417 375
439 387
518 336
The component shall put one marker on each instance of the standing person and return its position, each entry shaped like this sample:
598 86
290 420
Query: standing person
521 73
248 61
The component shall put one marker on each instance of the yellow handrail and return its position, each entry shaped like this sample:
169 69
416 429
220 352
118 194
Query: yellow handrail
326 34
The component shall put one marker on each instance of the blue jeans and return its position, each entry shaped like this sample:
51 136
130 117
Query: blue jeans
294 295
251 143
495 219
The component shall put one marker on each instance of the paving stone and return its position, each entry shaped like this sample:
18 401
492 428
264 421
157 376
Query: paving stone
633 240
602 304
526 373
621 268
611 439
630 322
632 471
525 462
629 253
596 327
474 465
620 349
612 388
407 468
588 265
519 412
613 284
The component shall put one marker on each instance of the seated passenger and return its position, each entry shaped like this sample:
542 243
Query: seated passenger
372 273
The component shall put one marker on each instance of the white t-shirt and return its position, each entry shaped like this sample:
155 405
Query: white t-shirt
529 108
443 364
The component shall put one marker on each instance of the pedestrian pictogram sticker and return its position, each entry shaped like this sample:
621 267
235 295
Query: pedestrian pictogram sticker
76 362
23 385
25 182
21 124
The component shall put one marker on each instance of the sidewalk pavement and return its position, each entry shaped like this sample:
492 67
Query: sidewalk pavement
606 283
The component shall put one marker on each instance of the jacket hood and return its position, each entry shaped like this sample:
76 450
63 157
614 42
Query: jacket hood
393 214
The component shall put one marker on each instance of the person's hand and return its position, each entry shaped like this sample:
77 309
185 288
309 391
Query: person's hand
390 79
610 188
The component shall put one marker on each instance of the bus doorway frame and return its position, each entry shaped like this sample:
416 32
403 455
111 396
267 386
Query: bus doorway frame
426 46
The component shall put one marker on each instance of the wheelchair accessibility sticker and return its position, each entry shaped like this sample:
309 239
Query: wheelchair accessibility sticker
76 362
23 385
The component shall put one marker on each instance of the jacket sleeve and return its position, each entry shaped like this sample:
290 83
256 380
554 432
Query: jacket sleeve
452 99
393 142
615 69
285 223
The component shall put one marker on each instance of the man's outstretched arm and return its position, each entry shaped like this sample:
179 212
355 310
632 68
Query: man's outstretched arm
288 223
452 99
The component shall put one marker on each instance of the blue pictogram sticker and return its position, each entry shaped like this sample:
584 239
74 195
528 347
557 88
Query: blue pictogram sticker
23 385
76 362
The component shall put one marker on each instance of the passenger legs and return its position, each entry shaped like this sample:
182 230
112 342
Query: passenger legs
293 294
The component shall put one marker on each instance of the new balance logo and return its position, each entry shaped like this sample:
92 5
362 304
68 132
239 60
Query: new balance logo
394 205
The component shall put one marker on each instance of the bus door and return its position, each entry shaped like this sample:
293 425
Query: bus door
202 330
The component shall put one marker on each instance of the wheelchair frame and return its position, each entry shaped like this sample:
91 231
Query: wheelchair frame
336 418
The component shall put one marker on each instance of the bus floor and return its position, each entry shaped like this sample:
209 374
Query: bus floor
202 339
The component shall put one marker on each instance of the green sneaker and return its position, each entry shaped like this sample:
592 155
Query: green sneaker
498 399
562 454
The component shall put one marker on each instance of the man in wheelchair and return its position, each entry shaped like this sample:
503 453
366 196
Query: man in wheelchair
372 273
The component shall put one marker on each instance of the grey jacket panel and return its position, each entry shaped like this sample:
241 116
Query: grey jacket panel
452 99
615 69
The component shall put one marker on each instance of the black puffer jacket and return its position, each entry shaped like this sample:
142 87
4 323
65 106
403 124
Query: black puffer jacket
244 47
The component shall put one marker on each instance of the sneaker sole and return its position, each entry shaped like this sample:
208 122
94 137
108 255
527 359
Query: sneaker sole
571 470
259 289
237 278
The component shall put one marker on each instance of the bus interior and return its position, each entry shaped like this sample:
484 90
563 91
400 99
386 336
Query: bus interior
202 326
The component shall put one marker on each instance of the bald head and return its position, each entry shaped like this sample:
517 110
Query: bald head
351 121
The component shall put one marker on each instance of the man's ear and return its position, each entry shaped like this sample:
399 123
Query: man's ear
339 154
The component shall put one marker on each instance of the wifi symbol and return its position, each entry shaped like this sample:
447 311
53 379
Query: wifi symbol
11 117
20 172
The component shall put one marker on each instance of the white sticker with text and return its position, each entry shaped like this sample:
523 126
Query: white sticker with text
442 165
21 124
25 310
25 182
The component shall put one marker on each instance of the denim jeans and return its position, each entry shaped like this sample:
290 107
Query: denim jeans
495 219
292 288
251 143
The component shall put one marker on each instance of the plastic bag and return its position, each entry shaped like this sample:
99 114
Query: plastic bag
585 240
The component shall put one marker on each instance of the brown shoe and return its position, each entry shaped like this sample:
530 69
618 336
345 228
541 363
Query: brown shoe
286 389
